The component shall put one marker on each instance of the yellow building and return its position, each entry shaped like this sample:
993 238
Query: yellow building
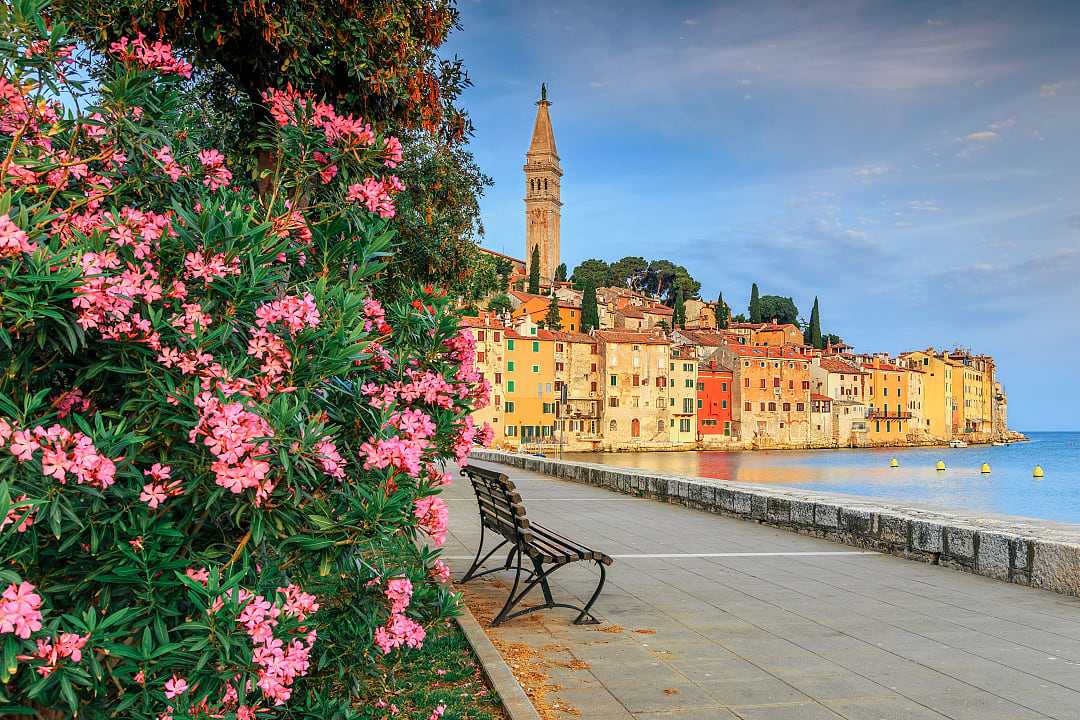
972 395
529 398
887 414
536 307
634 385
683 399
937 387
577 368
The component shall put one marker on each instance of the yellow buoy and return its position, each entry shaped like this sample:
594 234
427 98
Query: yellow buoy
985 469
940 465
894 463
1038 472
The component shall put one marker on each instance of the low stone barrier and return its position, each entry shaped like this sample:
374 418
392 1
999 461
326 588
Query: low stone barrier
1041 554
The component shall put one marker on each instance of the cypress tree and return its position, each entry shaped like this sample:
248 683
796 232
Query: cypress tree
678 315
534 271
755 311
722 313
590 315
813 329
552 319
560 273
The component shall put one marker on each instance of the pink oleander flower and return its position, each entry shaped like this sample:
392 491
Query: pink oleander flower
437 712
150 56
217 175
20 612
175 686
13 241
201 575
399 631
440 571
18 512
432 515
399 593
327 454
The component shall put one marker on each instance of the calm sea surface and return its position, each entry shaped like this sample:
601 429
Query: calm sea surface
1009 489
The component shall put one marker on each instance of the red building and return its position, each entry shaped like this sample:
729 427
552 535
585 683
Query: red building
714 401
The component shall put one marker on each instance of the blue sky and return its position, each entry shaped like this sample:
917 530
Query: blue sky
915 166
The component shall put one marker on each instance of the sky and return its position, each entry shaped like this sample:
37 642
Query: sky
914 165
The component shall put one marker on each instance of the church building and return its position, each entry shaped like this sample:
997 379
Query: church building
542 204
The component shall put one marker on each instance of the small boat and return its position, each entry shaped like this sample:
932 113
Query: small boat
998 443
958 444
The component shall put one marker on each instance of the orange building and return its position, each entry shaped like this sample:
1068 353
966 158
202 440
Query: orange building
536 308
771 395
715 419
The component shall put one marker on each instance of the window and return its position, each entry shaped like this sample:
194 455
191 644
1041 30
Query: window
511 430
806 385
800 407
727 428
481 357
635 428
772 407
532 331
762 383
498 338
688 405
659 426
614 380
536 369
509 407
510 366
672 367
481 335
635 401
746 407
723 404
613 426
787 407
776 382
746 382
613 402
888 423
593 368
509 386
701 386
761 407
790 384
536 346
559 346
592 386
684 425
549 408
509 344
637 380
498 378
699 404
559 367
723 387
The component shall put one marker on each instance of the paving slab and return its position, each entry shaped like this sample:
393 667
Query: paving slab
716 629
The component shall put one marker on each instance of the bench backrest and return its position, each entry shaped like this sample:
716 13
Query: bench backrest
501 508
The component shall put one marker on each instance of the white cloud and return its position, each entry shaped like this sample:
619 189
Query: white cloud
1003 124
924 206
981 136
690 21
1050 89
872 171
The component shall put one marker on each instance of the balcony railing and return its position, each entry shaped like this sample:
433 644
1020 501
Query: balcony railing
879 414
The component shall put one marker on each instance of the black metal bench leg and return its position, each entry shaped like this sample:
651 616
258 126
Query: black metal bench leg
476 560
513 591
548 600
585 618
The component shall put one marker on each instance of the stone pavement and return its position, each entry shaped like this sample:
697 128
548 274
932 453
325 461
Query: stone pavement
765 629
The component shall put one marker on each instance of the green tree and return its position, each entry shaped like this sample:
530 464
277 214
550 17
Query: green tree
590 314
553 320
812 333
500 304
755 310
739 318
678 316
774 307
723 313
591 272
534 270
627 272
663 278
560 273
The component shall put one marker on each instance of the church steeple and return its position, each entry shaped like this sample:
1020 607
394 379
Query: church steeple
542 196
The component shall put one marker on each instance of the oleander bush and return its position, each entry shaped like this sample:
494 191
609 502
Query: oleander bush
220 454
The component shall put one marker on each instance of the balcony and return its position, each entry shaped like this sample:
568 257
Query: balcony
879 414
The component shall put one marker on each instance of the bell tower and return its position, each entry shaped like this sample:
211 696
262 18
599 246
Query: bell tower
542 203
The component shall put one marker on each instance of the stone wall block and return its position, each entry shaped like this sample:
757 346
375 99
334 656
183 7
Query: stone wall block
893 530
759 506
927 537
743 502
992 558
1056 566
778 510
726 499
857 522
802 512
960 544
826 516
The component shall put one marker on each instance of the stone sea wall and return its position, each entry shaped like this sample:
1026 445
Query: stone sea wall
1040 554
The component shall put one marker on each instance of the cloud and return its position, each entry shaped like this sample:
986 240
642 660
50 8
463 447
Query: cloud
1003 124
872 171
691 21
924 206
1050 89
981 136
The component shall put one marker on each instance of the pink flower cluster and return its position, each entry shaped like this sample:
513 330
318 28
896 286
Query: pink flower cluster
440 571
400 453
150 56
432 515
13 241
376 195
328 456
279 664
295 313
234 436
392 152
290 107
173 169
399 630
210 267
20 612
67 645
63 453
375 317
216 174
156 492
71 401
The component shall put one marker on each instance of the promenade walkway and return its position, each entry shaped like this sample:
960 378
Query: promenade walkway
710 617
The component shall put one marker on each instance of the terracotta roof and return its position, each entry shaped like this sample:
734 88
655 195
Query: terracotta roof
839 366
502 255
630 312
818 397
565 336
484 321
884 366
658 310
708 366
618 337
525 297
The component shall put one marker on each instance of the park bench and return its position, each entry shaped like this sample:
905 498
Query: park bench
503 513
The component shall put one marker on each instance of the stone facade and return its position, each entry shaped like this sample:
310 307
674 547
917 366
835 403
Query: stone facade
634 386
